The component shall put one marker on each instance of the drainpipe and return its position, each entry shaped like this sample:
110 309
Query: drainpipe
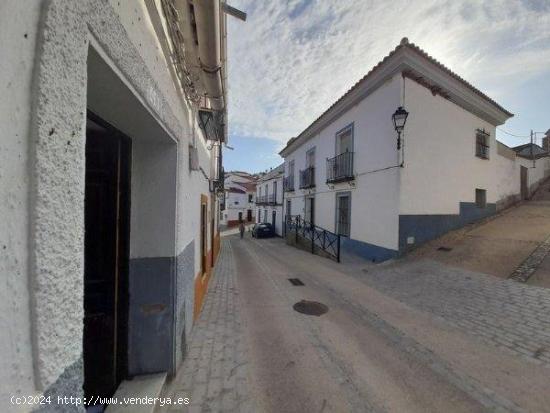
207 17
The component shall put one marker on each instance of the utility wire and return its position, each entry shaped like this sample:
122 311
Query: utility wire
511 134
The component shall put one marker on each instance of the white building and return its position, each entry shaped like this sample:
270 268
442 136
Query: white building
270 198
345 174
109 172
239 202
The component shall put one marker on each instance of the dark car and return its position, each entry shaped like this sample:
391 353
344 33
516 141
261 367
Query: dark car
263 230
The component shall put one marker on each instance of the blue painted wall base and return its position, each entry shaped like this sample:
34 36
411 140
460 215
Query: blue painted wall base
365 250
427 227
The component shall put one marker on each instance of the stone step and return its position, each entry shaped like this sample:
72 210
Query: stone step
139 388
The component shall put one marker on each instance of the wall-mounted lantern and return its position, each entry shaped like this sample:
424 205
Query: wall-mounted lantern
399 120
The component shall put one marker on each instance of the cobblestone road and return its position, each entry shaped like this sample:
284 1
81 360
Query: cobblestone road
214 373
352 355
504 313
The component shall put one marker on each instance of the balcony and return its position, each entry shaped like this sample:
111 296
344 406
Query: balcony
340 168
288 183
261 200
307 178
272 199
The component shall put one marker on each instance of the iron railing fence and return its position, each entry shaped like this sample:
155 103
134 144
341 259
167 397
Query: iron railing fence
340 168
327 241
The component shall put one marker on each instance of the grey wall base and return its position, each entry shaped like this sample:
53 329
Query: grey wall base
151 315
68 384
184 301
427 227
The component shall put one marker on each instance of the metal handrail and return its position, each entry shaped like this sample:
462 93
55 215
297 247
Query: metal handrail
327 241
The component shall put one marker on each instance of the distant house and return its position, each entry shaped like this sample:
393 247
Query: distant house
348 173
530 150
269 198
240 191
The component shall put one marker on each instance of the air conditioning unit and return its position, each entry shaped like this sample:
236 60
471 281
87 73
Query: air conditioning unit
193 158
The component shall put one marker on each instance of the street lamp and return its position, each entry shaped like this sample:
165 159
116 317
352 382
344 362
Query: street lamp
399 119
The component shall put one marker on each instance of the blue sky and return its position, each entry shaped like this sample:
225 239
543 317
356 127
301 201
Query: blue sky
292 59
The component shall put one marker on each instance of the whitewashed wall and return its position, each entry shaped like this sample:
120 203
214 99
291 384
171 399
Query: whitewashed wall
441 169
279 208
374 198
19 32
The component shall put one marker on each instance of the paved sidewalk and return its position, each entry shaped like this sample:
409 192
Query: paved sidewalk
504 313
214 373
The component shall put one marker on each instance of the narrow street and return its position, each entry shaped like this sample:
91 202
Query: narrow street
382 346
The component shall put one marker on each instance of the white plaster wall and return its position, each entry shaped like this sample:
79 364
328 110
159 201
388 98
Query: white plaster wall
259 210
374 195
153 206
191 184
18 32
441 168
235 203
57 288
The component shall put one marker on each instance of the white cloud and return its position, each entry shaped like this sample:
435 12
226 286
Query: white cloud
291 60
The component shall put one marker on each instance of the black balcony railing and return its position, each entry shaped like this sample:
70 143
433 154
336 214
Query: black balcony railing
288 183
272 199
340 168
307 178
261 200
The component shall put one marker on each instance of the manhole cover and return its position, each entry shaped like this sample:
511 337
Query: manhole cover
296 281
310 308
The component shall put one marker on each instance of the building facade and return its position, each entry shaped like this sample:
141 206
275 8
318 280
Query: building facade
270 198
348 173
240 194
110 172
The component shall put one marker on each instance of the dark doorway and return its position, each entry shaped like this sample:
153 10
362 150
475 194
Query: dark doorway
106 255
310 210
249 215
240 217
274 219
524 187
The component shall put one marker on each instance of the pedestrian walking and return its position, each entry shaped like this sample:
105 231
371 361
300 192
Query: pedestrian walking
241 228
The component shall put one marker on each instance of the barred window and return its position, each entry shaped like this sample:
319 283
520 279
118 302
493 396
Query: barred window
482 144
343 214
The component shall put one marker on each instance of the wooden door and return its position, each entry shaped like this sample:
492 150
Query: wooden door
106 255
524 183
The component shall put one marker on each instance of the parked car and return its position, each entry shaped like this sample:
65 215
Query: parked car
263 230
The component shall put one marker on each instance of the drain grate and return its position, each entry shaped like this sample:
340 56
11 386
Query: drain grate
296 281
446 249
310 308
